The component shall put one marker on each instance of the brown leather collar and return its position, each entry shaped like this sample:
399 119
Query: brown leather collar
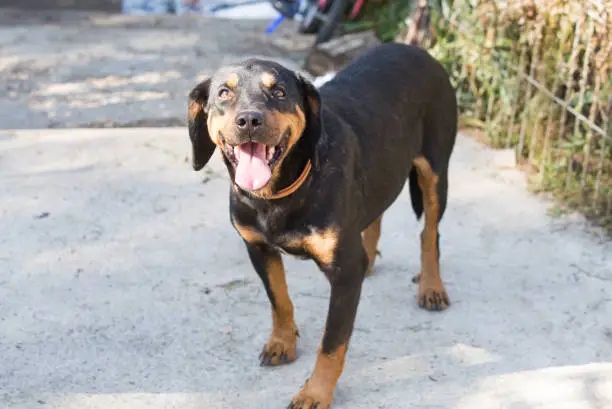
294 186
286 191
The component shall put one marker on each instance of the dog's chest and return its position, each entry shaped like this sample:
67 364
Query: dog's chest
306 243
314 243
288 242
296 251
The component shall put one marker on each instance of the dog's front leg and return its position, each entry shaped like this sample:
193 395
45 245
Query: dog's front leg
281 345
345 274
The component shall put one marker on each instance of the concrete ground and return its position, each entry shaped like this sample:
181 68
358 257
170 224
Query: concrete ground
62 70
124 286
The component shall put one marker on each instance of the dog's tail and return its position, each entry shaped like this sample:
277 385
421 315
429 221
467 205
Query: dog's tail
416 196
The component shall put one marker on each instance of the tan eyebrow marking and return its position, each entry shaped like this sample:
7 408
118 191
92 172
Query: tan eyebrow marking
268 80
232 80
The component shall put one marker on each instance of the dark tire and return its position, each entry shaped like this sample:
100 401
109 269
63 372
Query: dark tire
333 17
310 23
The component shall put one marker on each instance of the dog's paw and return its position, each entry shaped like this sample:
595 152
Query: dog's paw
310 399
433 298
279 350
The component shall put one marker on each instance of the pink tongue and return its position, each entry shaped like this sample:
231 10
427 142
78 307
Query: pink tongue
252 172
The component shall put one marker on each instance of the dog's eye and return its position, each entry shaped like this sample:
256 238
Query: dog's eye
278 92
224 93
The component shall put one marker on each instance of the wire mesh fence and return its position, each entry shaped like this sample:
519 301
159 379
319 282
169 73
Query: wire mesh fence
534 74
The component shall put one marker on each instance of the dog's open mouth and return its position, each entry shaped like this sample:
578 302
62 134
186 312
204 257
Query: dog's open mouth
253 162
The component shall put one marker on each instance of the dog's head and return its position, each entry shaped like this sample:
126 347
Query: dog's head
255 113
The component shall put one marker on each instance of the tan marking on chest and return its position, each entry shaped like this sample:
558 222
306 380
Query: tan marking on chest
249 234
321 244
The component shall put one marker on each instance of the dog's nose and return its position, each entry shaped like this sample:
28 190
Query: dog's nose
249 120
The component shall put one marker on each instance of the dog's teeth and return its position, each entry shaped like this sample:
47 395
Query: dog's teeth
235 149
270 152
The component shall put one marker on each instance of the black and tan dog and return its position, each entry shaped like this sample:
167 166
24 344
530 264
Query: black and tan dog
313 172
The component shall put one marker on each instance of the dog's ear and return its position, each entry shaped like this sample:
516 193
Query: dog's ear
197 115
314 121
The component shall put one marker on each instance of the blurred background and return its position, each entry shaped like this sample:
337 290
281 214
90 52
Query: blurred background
530 75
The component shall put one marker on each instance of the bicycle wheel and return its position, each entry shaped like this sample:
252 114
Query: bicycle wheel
310 23
331 20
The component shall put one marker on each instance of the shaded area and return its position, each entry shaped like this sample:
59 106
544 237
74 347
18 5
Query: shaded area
95 69
99 5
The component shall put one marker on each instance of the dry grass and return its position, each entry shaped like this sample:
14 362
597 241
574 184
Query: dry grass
534 75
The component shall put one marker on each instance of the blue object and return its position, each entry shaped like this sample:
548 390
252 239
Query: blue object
274 24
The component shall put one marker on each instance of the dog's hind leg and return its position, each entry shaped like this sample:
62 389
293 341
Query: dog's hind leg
370 237
432 295
442 188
